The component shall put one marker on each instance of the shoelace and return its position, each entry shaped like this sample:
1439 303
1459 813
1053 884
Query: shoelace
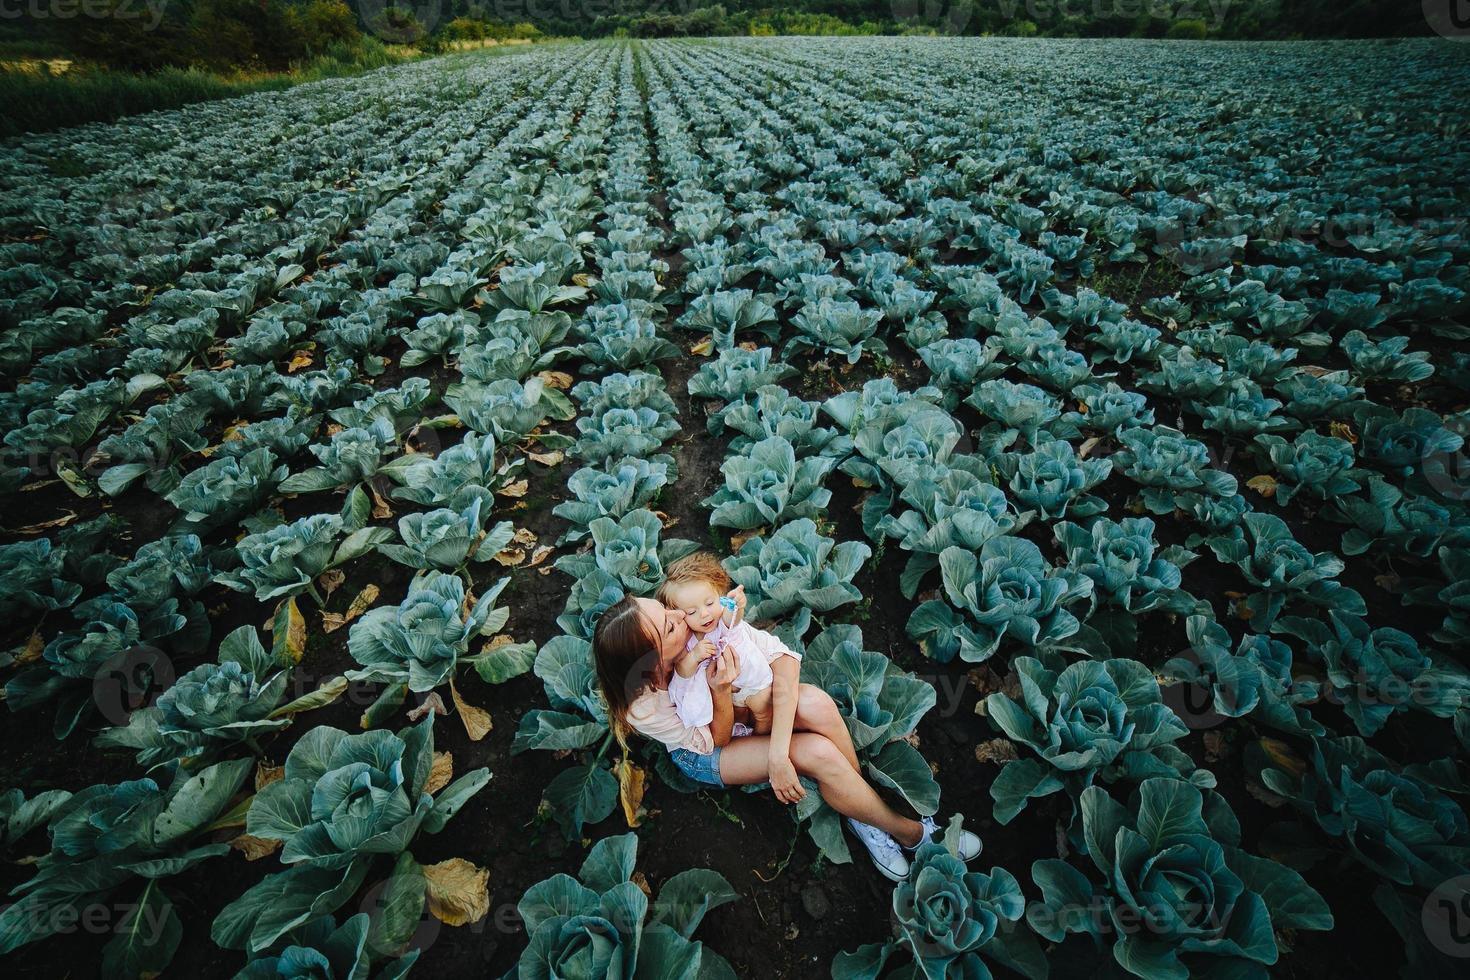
878 842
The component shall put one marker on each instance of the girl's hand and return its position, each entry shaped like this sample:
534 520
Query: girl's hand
738 594
703 650
722 671
785 782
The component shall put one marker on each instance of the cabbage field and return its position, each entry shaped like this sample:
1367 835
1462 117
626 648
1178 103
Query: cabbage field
1092 416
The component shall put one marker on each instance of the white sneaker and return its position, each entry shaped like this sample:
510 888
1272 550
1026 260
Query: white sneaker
970 844
883 849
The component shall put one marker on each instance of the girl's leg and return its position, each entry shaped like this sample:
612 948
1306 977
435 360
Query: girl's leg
762 711
817 712
745 760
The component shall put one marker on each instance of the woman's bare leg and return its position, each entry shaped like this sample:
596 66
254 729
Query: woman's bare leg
745 760
817 712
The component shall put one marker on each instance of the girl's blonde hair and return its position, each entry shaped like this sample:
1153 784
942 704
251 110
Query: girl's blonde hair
702 566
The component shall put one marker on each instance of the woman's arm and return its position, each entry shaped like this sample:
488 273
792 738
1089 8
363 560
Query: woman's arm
722 671
786 675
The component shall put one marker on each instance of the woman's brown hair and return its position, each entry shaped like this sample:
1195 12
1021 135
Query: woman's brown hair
621 651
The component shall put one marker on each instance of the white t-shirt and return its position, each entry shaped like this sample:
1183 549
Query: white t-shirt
753 650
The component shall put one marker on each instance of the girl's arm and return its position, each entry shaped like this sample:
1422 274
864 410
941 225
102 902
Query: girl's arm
786 673
722 671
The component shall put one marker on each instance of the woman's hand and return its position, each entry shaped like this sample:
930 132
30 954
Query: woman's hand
722 669
785 782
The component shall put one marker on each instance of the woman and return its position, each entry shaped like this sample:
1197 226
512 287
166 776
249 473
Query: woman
634 647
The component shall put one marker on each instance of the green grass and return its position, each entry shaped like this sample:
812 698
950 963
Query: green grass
37 101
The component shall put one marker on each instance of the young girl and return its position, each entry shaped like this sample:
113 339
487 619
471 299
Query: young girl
699 586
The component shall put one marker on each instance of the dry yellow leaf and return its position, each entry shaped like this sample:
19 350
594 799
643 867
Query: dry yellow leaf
704 347
476 720
61 521
1087 447
332 622
433 702
511 557
1282 755
333 428
641 880
1265 485
665 519
255 848
996 750
32 651
330 580
559 380
631 782
548 459
267 774
737 541
516 489
440 773
1343 431
524 536
541 554
381 509
458 892
302 359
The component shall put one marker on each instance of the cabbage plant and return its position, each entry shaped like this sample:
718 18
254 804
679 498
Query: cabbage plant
797 571
776 413
947 507
1053 481
343 801
727 313
620 432
1165 461
629 550
621 338
1396 821
446 539
1255 680
509 410
1017 411
351 457
210 708
1284 571
1322 466
1386 360
1376 673
613 489
1174 865
735 374
768 485
951 920
1006 590
1093 720
108 835
419 643
839 327
1128 569
602 924
287 559
228 488
348 950
472 469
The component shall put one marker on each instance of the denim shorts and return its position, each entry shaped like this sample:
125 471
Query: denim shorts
700 768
